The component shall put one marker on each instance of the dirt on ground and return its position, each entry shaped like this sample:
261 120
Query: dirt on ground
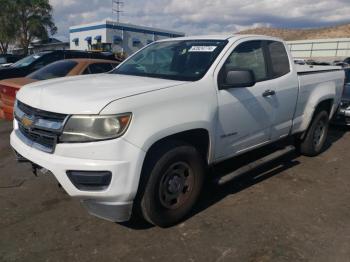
294 209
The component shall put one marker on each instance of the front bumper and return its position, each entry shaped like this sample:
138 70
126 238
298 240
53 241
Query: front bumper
117 156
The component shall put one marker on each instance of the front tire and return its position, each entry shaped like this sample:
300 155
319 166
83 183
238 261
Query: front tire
316 136
175 178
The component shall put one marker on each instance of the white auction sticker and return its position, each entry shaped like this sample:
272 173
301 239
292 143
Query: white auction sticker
202 48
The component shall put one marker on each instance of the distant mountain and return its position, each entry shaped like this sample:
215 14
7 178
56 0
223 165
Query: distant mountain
341 31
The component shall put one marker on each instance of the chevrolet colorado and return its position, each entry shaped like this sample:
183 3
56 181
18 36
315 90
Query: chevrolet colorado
141 137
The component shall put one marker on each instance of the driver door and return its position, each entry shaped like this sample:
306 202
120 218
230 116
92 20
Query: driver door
245 114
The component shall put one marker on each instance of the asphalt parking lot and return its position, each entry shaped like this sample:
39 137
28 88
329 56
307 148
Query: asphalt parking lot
296 209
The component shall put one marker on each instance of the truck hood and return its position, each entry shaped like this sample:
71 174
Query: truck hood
87 94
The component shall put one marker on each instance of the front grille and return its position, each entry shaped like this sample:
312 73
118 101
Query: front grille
43 137
28 110
48 141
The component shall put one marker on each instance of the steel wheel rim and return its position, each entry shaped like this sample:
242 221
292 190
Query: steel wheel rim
319 133
176 185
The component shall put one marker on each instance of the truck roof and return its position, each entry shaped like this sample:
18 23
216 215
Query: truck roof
220 37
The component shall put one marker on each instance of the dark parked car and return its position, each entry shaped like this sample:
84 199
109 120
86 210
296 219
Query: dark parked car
34 62
8 59
343 116
347 60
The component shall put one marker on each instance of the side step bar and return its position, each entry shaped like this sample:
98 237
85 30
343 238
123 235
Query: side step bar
254 165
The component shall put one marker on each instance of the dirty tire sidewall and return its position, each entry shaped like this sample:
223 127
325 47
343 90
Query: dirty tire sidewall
307 146
151 207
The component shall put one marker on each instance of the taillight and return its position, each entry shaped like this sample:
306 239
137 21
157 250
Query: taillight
8 90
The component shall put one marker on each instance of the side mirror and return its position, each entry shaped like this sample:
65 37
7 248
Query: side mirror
238 78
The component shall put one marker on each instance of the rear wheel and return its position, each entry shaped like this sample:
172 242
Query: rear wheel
175 178
316 136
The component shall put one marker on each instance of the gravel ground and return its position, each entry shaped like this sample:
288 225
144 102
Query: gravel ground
295 209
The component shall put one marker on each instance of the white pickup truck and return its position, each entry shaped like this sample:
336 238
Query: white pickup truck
140 138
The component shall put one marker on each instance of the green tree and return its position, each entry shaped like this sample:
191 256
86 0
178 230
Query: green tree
35 21
8 24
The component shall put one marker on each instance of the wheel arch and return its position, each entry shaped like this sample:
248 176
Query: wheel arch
198 137
326 104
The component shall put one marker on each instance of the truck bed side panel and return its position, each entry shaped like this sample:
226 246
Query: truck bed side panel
315 87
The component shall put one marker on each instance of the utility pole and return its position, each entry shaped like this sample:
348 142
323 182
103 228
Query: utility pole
117 8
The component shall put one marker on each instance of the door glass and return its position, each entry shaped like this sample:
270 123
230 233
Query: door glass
49 58
99 68
249 56
279 59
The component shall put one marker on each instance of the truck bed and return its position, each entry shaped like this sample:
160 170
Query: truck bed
316 83
310 69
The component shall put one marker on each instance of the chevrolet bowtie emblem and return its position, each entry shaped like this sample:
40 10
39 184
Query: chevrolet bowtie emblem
27 122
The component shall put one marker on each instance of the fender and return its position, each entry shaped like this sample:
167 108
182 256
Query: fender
167 112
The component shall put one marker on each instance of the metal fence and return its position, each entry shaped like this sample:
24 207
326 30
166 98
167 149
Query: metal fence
320 48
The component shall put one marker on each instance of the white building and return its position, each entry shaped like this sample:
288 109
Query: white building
327 49
119 37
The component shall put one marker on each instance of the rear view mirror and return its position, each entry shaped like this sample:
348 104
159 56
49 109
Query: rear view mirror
238 78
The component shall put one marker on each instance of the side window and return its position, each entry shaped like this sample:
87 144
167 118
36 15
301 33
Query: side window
86 71
70 55
279 59
99 68
249 56
54 70
52 57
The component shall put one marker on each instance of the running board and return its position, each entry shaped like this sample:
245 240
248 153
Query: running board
254 165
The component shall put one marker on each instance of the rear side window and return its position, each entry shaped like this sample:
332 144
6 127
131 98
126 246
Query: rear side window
279 59
54 70
70 55
249 56
50 58
99 68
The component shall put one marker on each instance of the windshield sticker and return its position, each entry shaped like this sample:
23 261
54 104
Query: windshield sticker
202 48
36 56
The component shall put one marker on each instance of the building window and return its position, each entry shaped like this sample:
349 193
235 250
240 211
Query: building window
76 41
117 39
88 40
98 38
136 41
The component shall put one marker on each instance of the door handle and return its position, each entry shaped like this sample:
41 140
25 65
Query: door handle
268 93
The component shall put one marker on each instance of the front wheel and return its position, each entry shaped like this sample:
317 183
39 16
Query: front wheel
174 184
316 136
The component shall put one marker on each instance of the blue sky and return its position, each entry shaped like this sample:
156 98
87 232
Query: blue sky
205 16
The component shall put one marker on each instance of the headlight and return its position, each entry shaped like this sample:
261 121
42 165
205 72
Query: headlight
95 128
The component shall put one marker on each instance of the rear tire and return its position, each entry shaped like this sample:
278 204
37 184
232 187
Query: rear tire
316 136
175 178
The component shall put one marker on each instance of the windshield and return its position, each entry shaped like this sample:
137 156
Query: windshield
54 70
27 60
178 60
